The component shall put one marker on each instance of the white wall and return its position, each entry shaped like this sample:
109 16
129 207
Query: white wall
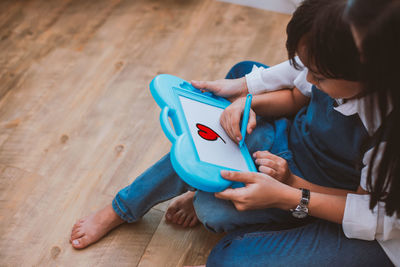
282 6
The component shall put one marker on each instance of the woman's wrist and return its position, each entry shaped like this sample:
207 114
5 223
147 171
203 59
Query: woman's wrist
289 198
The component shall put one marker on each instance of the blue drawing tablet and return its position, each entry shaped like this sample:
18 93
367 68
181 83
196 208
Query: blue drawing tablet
200 147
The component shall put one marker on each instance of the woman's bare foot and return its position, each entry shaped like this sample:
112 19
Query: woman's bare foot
88 230
181 211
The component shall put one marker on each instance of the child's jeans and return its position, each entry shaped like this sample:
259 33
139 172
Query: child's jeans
160 183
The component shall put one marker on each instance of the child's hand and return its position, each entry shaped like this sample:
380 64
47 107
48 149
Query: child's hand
230 119
228 88
274 166
260 191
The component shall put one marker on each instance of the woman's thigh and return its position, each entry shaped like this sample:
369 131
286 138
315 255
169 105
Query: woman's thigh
316 244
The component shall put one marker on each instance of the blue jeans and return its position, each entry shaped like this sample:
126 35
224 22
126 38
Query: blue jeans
160 183
281 238
319 243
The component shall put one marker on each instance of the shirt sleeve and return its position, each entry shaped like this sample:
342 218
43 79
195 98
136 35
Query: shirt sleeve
362 223
281 76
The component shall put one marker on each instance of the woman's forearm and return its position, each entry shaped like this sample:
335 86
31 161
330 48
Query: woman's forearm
297 182
323 206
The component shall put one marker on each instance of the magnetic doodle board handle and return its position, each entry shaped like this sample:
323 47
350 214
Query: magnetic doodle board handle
166 126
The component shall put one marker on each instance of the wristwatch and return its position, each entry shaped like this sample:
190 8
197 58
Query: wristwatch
301 211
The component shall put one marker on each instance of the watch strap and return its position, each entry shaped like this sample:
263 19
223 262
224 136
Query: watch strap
305 196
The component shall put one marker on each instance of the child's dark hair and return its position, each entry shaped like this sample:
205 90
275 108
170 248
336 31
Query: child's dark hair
327 39
378 23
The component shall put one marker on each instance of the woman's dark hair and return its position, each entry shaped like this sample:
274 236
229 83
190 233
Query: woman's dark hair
327 39
378 24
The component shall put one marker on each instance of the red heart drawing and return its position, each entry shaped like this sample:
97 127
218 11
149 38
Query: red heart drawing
207 133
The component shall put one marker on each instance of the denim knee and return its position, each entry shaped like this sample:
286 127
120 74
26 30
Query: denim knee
242 68
219 215
216 215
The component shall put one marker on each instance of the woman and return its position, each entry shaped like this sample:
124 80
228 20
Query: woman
375 26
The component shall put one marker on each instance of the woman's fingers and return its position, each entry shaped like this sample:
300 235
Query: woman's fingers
243 177
228 194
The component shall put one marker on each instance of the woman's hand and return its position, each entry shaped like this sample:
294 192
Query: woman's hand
230 119
274 166
228 88
260 191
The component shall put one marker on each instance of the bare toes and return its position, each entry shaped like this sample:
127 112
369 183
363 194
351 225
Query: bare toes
194 221
171 211
176 216
76 225
187 221
182 218
76 229
80 242
77 234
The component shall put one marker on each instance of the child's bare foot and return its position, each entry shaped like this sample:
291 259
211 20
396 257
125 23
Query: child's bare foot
181 210
88 230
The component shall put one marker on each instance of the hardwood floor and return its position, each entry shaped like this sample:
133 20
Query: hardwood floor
78 123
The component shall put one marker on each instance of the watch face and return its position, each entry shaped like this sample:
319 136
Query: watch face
299 214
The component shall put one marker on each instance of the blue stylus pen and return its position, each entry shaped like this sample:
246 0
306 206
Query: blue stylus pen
245 119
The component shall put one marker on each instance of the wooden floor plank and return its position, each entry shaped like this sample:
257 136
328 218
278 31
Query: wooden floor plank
188 247
78 123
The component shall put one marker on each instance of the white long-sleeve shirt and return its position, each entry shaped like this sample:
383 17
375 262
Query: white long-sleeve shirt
359 221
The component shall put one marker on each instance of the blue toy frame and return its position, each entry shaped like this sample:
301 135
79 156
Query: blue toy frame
185 160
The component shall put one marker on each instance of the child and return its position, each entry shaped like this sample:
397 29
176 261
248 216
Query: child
300 154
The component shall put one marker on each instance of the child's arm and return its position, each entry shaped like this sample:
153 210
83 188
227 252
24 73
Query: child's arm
259 80
274 104
279 103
